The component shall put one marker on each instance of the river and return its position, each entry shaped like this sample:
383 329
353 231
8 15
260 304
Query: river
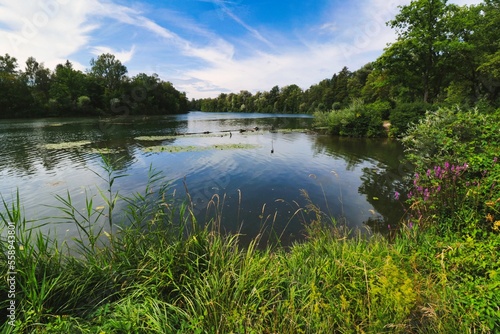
262 165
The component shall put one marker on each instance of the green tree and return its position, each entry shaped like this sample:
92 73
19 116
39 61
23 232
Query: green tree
15 98
488 41
358 80
148 95
416 60
290 98
273 98
340 87
67 86
38 79
8 64
110 73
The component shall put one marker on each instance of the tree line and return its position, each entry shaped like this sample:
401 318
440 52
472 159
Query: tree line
443 54
104 90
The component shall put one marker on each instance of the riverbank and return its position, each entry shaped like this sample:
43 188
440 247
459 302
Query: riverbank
166 273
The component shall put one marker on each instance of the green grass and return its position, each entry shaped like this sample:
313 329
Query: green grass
167 273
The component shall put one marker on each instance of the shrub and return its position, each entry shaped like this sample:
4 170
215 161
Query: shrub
405 114
455 153
383 108
357 120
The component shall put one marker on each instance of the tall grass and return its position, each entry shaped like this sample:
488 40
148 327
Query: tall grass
165 272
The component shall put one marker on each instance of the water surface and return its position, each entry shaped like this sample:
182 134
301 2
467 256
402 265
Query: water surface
255 162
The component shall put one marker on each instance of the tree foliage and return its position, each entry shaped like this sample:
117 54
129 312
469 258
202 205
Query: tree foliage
444 54
104 90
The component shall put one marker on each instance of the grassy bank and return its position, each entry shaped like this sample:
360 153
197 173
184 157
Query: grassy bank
164 277
167 273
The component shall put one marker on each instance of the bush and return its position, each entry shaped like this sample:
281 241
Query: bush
383 108
357 120
405 114
455 153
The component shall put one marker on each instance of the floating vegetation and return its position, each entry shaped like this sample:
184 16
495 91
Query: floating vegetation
55 124
188 135
66 145
106 150
206 134
191 148
289 130
154 138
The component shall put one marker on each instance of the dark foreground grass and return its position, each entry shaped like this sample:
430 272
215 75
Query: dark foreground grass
166 274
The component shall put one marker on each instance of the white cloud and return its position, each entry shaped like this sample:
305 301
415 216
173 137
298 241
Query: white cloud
123 56
354 36
312 55
49 30
55 30
254 32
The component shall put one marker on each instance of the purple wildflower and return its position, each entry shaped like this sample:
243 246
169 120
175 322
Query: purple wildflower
437 171
396 195
426 194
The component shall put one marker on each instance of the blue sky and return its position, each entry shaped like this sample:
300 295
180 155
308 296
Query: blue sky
204 47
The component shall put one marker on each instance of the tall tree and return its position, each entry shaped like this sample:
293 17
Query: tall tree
15 99
489 41
8 64
38 79
110 72
415 60
67 86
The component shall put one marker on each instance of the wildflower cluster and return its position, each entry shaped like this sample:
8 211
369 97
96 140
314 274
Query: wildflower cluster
437 192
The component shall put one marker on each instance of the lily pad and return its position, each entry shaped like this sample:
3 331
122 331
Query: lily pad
66 145
191 148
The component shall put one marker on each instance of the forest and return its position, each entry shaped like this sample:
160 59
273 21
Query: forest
104 90
444 55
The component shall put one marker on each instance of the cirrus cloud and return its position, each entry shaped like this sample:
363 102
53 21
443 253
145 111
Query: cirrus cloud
204 47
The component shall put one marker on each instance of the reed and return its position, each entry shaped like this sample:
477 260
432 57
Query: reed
165 272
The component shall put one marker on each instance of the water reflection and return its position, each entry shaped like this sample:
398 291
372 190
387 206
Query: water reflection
380 181
351 179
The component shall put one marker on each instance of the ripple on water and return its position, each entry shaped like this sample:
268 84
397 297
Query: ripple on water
280 164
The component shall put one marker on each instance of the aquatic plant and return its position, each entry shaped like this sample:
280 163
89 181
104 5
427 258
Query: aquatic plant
192 148
66 145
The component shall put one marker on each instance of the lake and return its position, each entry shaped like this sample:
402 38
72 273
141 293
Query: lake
260 164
